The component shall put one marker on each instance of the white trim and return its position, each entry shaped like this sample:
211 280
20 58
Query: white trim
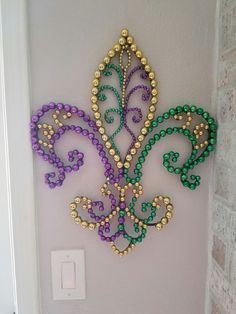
212 173
17 186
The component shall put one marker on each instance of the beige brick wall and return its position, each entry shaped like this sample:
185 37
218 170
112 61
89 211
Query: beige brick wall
222 253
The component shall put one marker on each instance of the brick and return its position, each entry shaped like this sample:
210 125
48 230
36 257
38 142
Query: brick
227 106
219 251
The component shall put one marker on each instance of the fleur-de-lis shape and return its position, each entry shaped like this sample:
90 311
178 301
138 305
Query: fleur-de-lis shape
126 79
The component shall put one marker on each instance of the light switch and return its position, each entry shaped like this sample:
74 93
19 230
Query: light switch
68 275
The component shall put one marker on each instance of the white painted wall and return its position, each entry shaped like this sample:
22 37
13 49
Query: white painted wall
167 273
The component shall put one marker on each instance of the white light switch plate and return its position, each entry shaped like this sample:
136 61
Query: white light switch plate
68 275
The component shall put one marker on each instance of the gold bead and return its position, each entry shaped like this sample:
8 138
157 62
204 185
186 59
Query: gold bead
111 53
125 32
94 91
101 67
153 83
169 207
151 75
112 152
99 123
144 131
72 206
117 47
147 68
126 165
169 215
154 100
119 164
130 40
152 108
133 47
94 99
104 137
140 138
74 214
106 60
150 116
97 74
91 226
84 224
95 107
159 226
166 200
95 82
144 60
78 220
101 130
133 151
122 41
108 145
116 157
97 115
147 123
137 145
138 54
164 220
128 157
77 200
154 91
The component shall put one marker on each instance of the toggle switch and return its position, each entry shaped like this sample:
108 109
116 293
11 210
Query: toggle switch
68 275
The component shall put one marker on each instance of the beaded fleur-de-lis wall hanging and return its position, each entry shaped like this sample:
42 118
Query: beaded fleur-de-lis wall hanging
122 218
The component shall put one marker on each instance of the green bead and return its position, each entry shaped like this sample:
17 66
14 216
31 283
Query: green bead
156 137
121 227
154 123
166 115
138 166
151 141
200 111
172 111
169 131
179 109
210 148
121 213
147 147
141 160
183 177
186 108
160 119
177 170
212 141
205 115
193 108
170 169
163 133
166 164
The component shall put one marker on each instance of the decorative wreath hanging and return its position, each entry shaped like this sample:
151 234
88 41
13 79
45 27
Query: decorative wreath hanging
126 217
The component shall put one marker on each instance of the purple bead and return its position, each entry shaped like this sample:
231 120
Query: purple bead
86 118
39 113
74 109
35 118
91 136
67 108
95 141
80 113
122 205
52 105
85 132
45 108
60 106
121 219
78 129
